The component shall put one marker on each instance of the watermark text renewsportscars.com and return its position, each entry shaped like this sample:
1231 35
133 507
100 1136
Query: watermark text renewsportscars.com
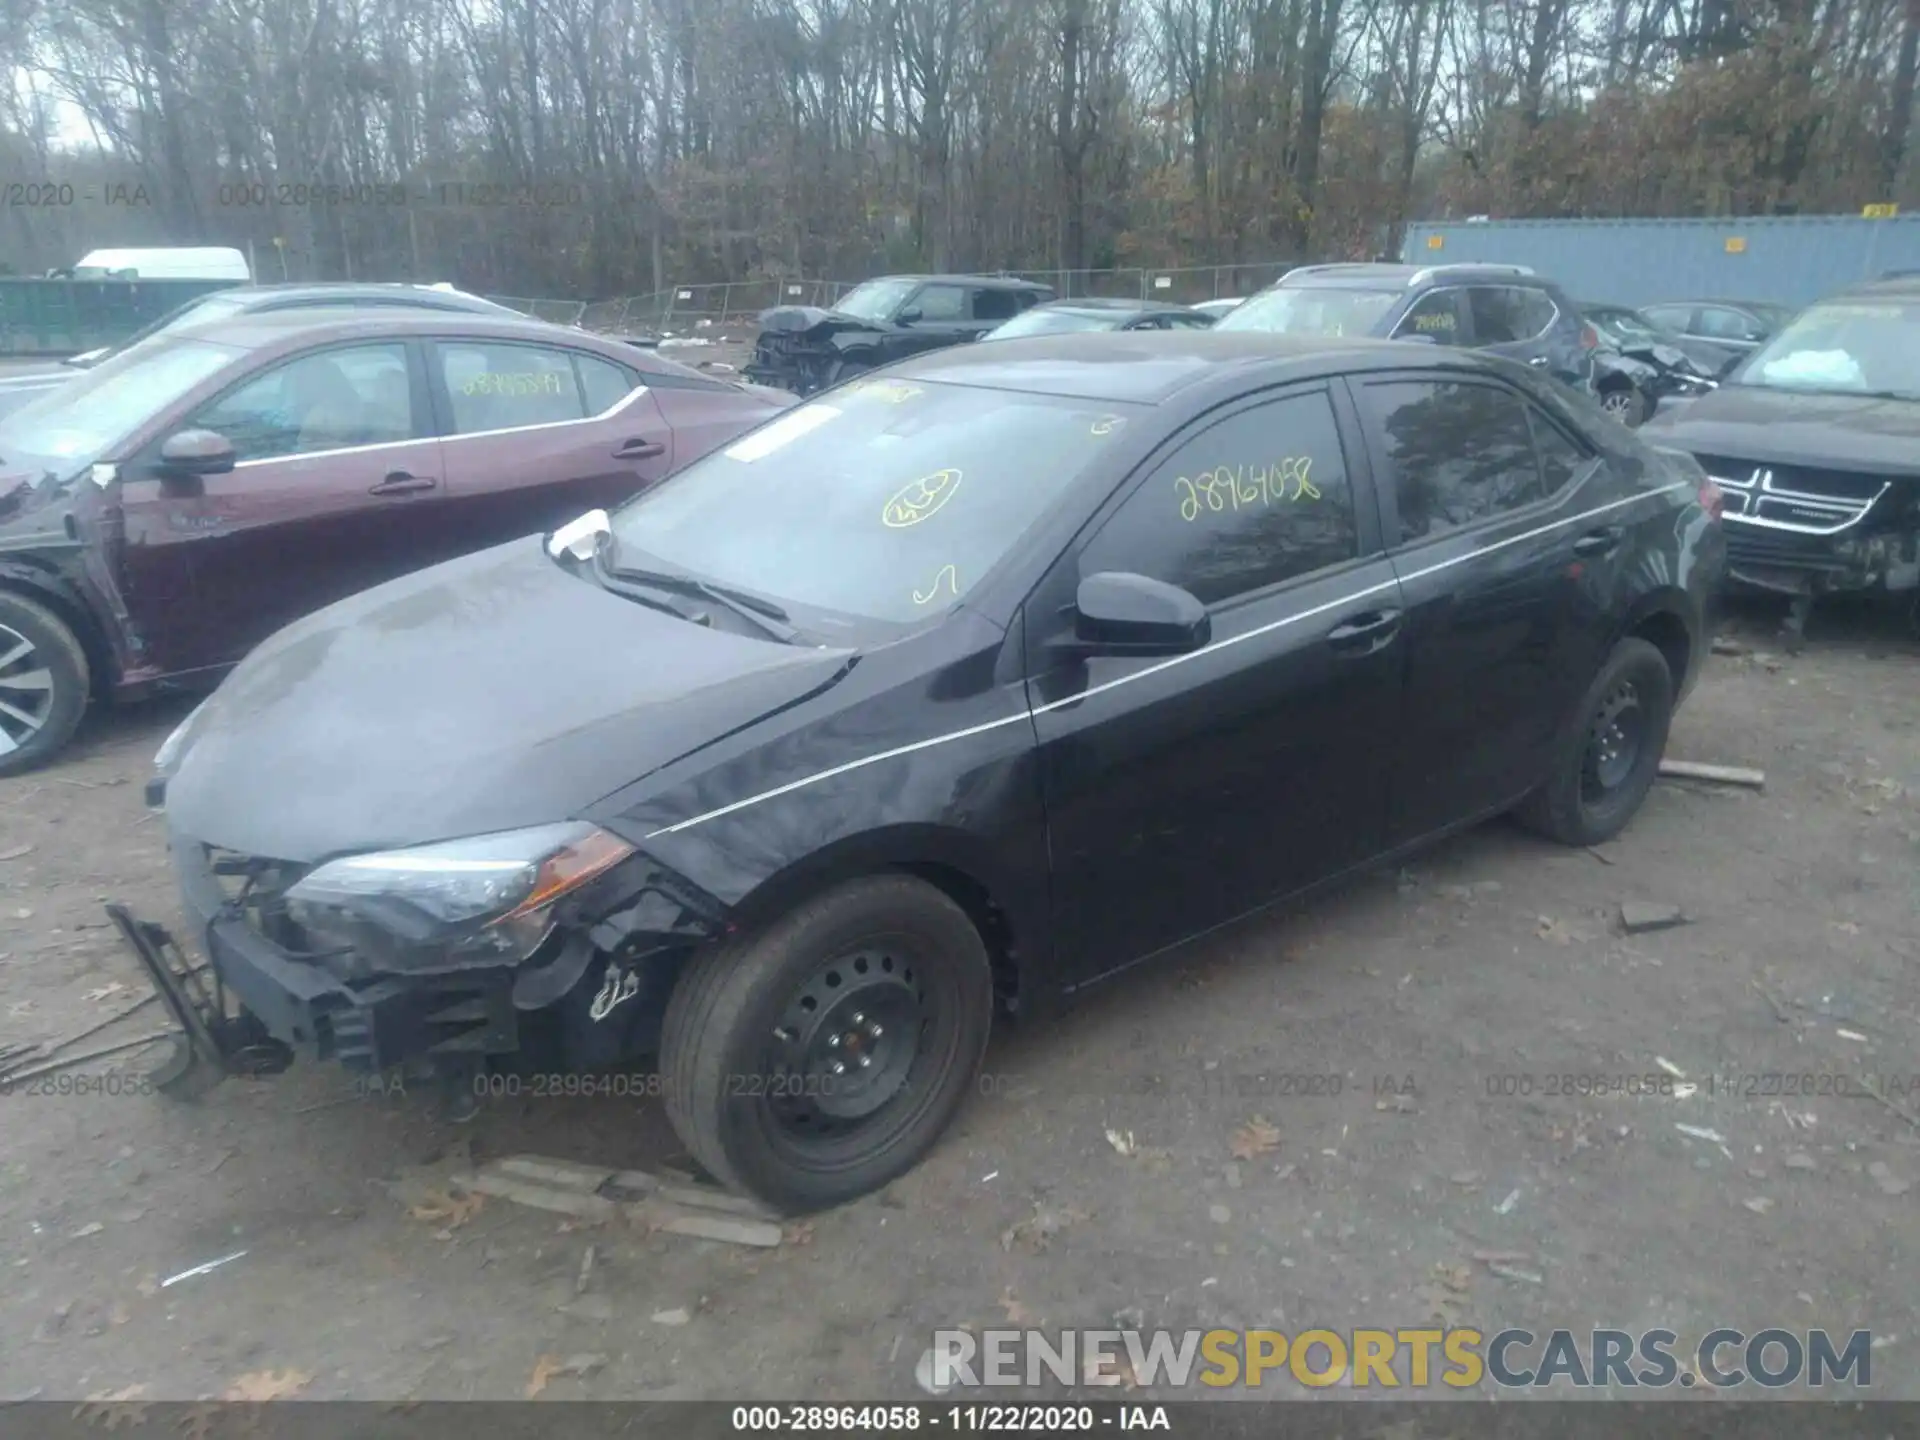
1405 1359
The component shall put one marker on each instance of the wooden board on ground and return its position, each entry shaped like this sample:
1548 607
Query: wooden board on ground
673 1203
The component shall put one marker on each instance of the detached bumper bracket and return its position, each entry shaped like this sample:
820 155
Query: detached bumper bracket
214 1044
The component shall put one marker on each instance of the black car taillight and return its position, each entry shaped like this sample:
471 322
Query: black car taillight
1589 338
1711 499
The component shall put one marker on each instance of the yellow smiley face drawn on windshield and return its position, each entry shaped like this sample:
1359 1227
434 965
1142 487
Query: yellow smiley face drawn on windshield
916 500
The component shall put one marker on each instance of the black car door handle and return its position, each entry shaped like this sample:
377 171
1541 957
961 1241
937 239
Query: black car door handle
1363 634
399 482
1599 542
639 450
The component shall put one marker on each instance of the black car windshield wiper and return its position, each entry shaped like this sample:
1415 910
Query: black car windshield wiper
609 580
768 616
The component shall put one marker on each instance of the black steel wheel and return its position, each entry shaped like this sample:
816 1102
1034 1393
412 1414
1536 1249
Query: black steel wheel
815 1061
1607 755
44 680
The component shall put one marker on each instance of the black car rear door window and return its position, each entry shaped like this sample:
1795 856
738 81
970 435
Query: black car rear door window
1534 311
1718 323
995 304
1499 315
1255 499
1435 315
1455 453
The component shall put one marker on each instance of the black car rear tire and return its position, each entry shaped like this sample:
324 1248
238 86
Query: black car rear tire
1607 756
814 1061
44 683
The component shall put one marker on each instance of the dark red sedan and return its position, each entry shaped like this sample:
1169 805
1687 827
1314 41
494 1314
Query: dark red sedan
163 513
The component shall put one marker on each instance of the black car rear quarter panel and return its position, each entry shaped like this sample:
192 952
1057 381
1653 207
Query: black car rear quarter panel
922 759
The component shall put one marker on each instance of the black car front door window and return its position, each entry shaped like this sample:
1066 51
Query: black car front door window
1457 453
940 304
1259 498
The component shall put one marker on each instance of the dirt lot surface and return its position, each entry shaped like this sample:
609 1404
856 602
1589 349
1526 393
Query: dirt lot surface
1404 1040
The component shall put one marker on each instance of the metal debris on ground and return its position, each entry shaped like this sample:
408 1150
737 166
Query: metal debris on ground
659 1202
1639 916
199 1270
1716 774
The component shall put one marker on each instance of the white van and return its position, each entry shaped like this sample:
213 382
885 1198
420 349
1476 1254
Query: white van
204 263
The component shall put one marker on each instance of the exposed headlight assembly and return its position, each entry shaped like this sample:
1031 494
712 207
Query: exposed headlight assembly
487 898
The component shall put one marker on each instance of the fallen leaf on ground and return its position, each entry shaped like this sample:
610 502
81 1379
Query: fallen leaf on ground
1017 1314
798 1234
16 852
544 1369
260 1386
1557 931
1758 1204
117 1397
1040 1227
1457 1278
1254 1139
453 1210
1116 1370
1122 1141
107 991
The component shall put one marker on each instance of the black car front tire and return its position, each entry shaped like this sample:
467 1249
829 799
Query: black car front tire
1607 755
846 370
814 1061
44 683
1626 404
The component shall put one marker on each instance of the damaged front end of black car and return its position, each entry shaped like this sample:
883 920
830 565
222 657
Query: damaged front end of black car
431 963
802 348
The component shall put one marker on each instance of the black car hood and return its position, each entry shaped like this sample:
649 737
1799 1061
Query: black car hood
798 319
1835 432
488 693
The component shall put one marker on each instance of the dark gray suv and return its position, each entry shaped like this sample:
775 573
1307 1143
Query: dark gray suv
1506 309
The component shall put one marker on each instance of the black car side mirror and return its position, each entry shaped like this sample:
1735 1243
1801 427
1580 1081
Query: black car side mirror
908 316
196 452
1116 613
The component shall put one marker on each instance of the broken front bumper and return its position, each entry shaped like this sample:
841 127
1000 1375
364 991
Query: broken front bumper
1802 562
260 996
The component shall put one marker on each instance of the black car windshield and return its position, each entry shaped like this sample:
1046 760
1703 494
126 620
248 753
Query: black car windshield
1057 322
1867 346
80 422
1312 310
886 499
876 300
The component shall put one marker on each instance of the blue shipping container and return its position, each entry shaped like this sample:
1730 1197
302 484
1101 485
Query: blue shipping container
1785 259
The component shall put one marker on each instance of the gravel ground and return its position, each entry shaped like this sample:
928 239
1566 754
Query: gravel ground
1326 1118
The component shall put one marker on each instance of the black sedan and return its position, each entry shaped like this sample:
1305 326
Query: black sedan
948 695
1063 317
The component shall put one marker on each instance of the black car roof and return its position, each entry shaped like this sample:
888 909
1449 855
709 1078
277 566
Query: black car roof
1147 367
1372 274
